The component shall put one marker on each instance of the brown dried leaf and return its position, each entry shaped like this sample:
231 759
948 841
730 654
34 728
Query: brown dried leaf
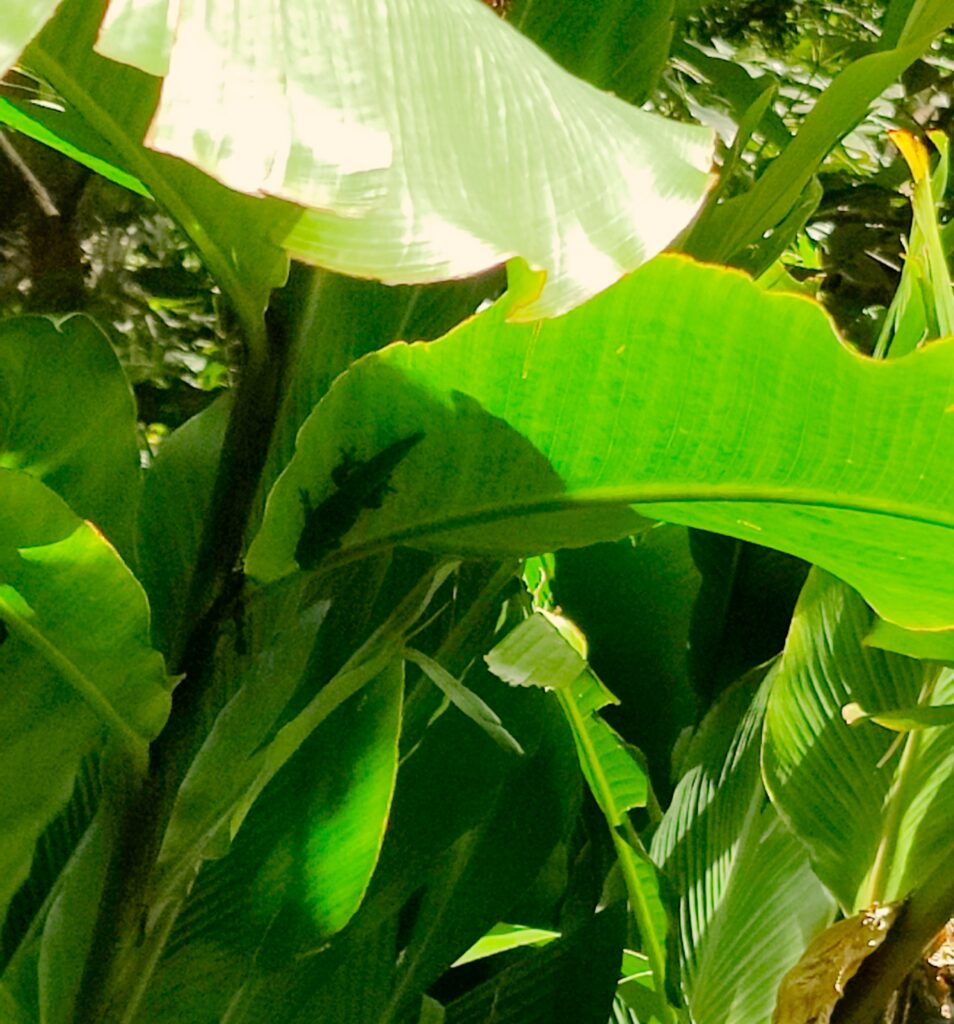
810 990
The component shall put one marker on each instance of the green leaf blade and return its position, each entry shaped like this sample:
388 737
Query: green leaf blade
747 900
740 413
848 800
69 419
77 659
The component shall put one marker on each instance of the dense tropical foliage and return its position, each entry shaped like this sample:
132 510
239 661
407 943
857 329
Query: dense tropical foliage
475 512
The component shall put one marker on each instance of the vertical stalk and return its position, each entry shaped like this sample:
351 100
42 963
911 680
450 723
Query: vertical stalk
121 956
628 847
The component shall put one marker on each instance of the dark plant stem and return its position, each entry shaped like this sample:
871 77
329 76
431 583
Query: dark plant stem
121 950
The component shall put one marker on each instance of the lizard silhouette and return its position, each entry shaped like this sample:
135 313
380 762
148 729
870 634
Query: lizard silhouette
360 484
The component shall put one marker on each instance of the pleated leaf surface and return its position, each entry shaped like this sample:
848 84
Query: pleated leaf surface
875 820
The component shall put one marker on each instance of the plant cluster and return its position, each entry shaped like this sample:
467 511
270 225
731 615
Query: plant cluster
532 607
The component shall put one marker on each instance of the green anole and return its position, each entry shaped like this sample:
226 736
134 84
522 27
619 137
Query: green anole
360 484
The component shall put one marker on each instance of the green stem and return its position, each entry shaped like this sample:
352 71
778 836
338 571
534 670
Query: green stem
627 852
896 804
628 848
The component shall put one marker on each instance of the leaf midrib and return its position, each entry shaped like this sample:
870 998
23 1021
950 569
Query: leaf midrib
654 494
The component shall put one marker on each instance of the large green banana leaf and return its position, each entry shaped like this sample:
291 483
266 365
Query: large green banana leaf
331 106
684 392
76 662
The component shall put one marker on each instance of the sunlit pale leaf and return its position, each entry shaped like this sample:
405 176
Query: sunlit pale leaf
534 654
331 106
22 19
102 109
616 778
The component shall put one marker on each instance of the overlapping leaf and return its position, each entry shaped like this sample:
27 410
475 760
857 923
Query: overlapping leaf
748 902
875 819
76 661
536 653
258 96
67 417
740 412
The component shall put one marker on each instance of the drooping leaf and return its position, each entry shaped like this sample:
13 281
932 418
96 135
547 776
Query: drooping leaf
77 661
336 127
849 793
534 654
780 434
475 708
67 417
616 778
920 716
635 602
